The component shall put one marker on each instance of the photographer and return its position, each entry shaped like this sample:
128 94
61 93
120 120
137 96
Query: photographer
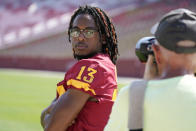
167 104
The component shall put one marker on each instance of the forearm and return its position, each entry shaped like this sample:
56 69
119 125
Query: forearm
66 109
151 69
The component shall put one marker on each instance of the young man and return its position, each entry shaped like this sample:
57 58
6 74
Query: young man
87 93
168 104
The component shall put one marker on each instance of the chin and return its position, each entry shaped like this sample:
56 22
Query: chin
84 56
81 54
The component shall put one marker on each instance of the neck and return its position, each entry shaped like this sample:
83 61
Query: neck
173 72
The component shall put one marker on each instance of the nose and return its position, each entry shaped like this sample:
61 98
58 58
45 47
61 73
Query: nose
81 36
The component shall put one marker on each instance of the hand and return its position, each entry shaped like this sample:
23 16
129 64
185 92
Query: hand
43 114
46 113
72 122
151 69
46 120
46 117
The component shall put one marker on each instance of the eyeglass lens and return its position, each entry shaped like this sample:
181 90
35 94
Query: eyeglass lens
88 33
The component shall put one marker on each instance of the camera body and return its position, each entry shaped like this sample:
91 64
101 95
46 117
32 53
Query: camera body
144 48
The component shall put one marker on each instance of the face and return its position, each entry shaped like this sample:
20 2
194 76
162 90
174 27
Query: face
84 35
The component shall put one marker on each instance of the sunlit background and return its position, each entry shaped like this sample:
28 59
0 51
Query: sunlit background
33 33
33 39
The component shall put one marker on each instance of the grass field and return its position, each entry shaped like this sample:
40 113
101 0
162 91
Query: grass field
23 95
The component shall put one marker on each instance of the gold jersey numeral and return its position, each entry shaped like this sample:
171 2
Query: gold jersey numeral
90 76
80 73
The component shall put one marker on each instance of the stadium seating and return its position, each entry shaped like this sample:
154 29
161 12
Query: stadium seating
35 34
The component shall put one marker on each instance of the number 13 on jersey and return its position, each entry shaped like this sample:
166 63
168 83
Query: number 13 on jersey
89 77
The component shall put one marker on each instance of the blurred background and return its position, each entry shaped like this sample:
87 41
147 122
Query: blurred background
34 44
33 33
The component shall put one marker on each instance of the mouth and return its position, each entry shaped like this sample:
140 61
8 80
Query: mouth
81 46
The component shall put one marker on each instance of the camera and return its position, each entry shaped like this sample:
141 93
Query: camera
144 48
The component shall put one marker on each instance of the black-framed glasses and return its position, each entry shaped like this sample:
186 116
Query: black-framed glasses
87 32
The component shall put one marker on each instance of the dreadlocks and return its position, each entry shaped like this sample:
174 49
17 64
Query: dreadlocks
106 29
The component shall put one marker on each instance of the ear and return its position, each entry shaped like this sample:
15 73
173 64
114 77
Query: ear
157 53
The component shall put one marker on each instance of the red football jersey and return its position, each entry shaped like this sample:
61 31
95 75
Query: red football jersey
97 77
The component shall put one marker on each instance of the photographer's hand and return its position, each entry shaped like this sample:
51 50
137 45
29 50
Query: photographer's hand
151 69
